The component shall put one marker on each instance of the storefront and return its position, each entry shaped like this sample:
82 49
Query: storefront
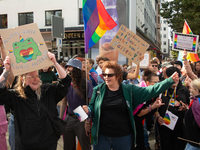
72 44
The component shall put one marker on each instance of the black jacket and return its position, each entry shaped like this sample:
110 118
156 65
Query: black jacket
192 128
32 125
183 95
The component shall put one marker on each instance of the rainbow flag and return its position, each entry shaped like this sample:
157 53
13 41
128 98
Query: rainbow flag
186 28
191 56
96 22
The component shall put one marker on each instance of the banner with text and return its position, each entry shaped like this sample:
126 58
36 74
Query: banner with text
189 42
26 49
129 44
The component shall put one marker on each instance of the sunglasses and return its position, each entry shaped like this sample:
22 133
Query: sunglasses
154 65
109 75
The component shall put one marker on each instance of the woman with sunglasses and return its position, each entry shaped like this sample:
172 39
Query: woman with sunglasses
33 127
112 106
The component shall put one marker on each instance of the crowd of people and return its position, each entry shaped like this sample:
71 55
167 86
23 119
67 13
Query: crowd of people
124 104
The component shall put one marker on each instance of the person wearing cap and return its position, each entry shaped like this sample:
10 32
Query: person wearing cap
76 97
164 66
178 64
176 99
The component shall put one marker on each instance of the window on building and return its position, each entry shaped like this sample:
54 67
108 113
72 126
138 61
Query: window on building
164 50
164 36
80 16
25 18
164 28
164 43
3 21
164 21
48 15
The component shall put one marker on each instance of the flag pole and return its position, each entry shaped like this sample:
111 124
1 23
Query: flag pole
86 94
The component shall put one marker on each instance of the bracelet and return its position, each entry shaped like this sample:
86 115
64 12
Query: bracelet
184 59
56 64
149 108
158 116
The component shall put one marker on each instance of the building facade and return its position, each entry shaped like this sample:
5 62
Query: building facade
165 38
140 16
148 24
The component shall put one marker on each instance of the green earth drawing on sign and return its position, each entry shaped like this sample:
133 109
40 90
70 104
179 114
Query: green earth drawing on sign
26 50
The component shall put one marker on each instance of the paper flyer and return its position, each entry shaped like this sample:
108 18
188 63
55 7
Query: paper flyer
170 120
80 113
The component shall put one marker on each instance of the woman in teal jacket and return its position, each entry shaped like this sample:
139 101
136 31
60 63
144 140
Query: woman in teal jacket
112 105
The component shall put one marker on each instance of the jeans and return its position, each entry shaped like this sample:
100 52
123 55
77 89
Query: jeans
116 143
146 136
11 129
190 147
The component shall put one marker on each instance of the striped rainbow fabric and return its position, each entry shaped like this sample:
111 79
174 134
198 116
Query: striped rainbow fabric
186 28
96 22
191 56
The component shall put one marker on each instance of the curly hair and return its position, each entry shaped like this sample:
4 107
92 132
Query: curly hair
116 67
78 82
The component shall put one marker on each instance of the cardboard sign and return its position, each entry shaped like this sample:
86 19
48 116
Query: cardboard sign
145 62
129 44
170 120
189 42
26 49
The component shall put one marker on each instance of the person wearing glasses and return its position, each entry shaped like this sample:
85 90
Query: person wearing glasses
33 127
154 67
111 108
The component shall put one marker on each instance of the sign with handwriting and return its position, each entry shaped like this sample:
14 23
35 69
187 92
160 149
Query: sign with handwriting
129 44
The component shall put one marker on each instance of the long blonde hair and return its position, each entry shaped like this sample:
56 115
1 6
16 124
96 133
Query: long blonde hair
20 86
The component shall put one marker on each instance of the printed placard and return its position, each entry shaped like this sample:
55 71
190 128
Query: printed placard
189 42
129 44
26 49
80 113
170 120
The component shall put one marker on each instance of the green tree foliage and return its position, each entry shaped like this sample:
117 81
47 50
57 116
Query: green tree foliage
177 10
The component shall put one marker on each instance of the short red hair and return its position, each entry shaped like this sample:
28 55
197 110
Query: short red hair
116 67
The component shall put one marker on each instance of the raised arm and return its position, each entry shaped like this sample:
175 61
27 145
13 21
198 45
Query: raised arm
61 72
137 70
142 94
4 75
187 66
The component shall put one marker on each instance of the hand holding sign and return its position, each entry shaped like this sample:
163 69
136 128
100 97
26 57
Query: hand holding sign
7 63
52 57
129 44
26 49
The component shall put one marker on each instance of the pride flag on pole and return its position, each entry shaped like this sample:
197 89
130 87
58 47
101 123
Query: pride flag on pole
186 28
191 56
96 22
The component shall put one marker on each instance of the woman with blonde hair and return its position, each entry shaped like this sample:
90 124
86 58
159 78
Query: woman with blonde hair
33 127
192 117
112 106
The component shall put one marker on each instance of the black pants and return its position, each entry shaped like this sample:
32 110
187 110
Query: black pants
50 147
75 128
169 139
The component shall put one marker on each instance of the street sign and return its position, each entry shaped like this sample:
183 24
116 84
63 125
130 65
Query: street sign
58 29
